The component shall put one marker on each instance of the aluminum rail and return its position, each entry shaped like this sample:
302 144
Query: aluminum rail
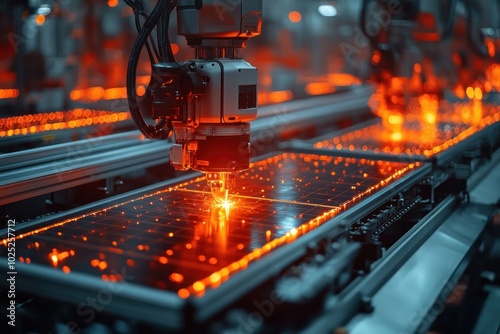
40 171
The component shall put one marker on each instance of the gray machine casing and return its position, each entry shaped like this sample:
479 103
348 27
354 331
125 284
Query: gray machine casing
230 81
219 19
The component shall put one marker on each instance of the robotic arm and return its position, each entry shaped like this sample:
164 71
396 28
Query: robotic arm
205 102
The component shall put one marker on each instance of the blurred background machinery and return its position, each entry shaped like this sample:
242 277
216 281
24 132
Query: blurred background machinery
371 202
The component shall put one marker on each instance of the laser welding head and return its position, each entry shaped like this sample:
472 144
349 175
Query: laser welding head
208 101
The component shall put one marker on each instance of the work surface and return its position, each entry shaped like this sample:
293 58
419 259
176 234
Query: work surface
178 239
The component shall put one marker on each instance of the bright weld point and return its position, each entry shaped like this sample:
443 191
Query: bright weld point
327 10
40 19
112 3
295 16
66 269
163 260
54 258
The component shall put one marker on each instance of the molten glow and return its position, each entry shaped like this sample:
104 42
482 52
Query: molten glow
112 3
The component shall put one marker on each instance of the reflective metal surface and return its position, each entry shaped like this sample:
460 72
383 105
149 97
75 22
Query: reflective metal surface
178 239
413 297
415 136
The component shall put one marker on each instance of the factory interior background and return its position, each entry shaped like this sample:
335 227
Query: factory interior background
250 166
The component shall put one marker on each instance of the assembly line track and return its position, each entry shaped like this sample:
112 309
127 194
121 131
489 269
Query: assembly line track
40 171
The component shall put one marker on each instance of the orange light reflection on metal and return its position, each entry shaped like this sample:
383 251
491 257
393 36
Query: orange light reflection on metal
319 88
343 79
58 120
93 94
55 256
8 93
274 97
469 118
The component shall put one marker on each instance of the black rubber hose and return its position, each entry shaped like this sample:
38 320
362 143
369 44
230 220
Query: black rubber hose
137 10
149 131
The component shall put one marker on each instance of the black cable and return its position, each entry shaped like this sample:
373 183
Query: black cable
163 37
167 22
149 131
160 39
139 28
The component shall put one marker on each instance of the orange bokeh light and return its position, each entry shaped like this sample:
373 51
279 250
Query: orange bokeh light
40 19
319 88
295 16
30 124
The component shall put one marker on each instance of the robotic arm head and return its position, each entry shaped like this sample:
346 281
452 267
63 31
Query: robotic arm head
208 101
